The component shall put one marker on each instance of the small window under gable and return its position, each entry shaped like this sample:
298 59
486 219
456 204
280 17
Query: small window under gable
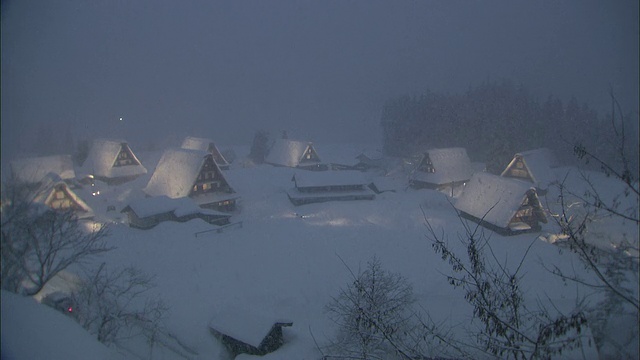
125 157
426 165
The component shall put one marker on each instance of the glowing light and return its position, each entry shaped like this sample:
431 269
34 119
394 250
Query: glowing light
70 309
120 119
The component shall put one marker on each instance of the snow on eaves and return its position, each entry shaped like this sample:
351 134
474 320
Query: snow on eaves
102 157
176 173
450 164
492 198
33 170
285 152
162 204
244 324
329 178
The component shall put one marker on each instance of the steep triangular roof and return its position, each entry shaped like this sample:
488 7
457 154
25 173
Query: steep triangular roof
202 144
33 170
538 164
494 198
102 159
177 171
56 194
291 153
448 165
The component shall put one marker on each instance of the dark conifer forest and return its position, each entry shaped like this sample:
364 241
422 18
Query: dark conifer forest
497 119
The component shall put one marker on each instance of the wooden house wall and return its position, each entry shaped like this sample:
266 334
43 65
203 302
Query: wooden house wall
309 155
518 169
125 157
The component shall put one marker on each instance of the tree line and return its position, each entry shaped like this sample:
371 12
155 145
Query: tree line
495 120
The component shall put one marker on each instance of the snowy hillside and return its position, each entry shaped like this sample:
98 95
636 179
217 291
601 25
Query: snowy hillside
286 262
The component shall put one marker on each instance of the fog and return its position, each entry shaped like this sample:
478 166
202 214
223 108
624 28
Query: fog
320 70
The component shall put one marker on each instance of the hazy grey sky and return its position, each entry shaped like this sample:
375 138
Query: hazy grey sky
322 69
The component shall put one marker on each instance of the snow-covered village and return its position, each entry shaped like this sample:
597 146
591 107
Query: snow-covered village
495 216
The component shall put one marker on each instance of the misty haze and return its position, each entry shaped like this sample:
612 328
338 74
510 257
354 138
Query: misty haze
319 180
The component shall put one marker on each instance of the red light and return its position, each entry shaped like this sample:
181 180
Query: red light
70 309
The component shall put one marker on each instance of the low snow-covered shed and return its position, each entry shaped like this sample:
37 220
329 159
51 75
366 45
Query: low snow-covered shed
291 153
33 170
441 168
195 143
194 174
535 166
243 332
112 161
506 206
149 212
56 194
329 186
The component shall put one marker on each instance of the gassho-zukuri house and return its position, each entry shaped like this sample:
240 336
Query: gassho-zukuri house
442 168
33 170
56 194
195 143
295 154
244 332
506 206
535 166
149 212
322 186
192 173
111 161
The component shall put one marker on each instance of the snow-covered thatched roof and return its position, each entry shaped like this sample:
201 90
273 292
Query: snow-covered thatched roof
539 163
176 173
33 170
102 157
285 152
329 178
47 192
450 164
202 144
163 204
493 198
245 325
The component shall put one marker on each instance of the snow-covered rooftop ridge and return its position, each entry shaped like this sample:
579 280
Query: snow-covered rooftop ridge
33 170
492 197
345 154
287 152
450 164
102 156
163 204
244 324
176 173
329 178
539 162
196 143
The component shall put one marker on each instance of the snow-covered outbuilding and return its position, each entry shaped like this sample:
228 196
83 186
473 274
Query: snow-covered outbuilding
313 187
149 212
56 194
535 166
192 173
291 153
440 168
33 170
112 161
243 332
195 143
506 206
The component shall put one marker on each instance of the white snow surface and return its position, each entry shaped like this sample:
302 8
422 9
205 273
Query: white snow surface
34 331
176 173
103 155
492 198
33 170
330 178
288 262
450 164
286 152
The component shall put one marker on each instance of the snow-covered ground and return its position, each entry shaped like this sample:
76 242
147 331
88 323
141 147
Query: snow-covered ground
286 262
